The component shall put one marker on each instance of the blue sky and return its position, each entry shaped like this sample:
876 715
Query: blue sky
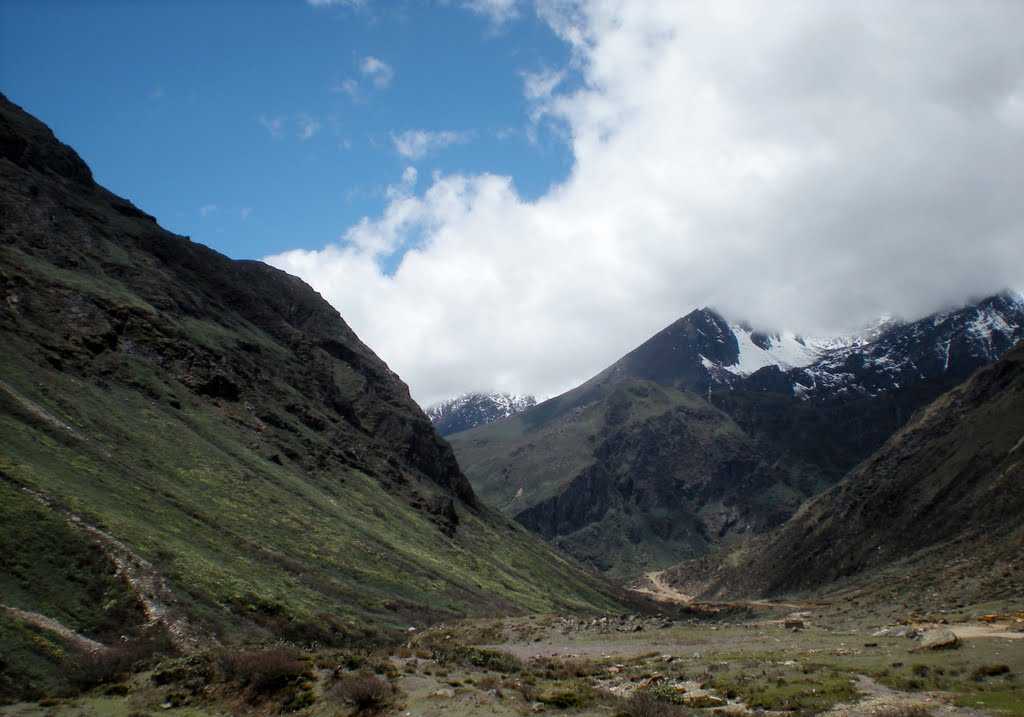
196 111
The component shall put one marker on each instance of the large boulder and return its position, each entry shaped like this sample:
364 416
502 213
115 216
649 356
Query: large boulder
938 640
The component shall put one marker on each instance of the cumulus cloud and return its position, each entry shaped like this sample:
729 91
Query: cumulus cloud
418 143
379 72
804 165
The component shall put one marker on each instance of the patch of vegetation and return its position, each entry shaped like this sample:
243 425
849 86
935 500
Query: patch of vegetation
495 660
31 662
902 711
366 693
787 689
86 670
982 671
574 695
1005 701
263 672
645 704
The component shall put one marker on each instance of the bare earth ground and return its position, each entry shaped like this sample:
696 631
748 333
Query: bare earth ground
829 659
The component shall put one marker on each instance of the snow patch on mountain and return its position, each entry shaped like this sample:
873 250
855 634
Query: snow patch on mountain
757 350
897 354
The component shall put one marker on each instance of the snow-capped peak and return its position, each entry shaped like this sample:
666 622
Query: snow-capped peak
476 409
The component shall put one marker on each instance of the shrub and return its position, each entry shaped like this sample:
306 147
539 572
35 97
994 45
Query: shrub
86 670
367 693
645 704
569 696
664 692
983 671
902 711
263 671
495 660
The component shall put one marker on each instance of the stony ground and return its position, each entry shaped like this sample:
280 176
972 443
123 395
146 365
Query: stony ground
838 660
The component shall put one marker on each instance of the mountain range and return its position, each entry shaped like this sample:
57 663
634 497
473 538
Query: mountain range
712 431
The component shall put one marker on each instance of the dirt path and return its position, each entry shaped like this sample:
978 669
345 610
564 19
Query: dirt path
967 631
657 588
81 642
653 585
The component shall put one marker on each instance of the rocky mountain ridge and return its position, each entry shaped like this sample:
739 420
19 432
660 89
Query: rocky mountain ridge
475 409
939 503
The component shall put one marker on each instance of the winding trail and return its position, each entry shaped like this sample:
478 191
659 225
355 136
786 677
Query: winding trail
145 580
81 642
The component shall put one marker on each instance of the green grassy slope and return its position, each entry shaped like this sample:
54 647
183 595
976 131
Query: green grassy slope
221 420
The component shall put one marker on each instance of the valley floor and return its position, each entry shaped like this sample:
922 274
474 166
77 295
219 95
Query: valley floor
834 659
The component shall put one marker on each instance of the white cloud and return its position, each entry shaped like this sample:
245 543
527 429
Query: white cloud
207 209
540 85
379 72
497 11
308 126
274 125
418 143
806 165
244 213
349 87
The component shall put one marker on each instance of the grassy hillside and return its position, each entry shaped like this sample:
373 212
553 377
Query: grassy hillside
225 438
937 509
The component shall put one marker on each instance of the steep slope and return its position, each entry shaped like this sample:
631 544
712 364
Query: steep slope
218 424
475 409
805 410
945 491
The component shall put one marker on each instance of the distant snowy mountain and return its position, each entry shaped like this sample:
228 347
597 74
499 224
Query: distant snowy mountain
704 351
899 355
476 409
